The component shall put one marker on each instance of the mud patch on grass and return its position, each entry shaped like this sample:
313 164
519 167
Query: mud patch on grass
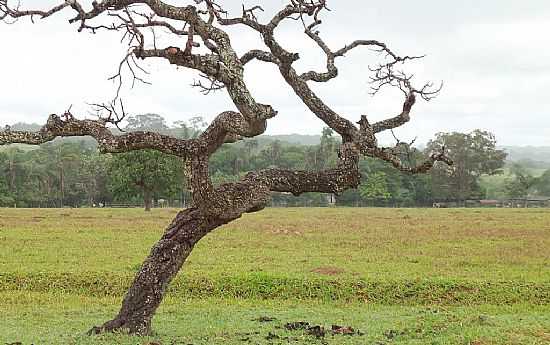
319 331
328 270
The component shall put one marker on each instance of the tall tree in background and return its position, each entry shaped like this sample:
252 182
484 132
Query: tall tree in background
95 177
375 188
146 173
474 154
66 160
203 23
521 182
41 179
542 184
12 159
6 195
325 154
14 172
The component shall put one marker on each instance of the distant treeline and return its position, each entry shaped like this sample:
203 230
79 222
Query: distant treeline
71 172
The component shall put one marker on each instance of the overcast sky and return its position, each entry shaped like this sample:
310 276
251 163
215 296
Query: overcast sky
493 56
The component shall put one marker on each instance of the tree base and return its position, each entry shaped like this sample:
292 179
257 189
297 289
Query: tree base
122 327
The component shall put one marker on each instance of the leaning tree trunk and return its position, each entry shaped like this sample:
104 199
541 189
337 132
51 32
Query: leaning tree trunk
165 260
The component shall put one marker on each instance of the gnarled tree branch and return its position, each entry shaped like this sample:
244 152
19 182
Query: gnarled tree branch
199 24
68 126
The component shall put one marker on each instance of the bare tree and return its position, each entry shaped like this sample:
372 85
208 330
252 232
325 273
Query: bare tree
207 48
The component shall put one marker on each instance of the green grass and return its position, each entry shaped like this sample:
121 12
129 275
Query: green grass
408 244
420 276
55 319
385 255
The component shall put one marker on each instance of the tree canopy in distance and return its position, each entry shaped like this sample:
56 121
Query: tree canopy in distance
474 154
205 46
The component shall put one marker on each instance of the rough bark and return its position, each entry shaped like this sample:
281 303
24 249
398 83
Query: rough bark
161 266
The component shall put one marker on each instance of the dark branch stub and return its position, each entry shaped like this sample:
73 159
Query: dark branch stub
200 25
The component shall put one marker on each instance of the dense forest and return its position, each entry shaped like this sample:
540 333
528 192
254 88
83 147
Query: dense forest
71 172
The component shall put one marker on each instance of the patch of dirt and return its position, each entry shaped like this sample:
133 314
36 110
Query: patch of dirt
544 335
328 270
316 331
346 330
290 232
319 331
294 326
302 328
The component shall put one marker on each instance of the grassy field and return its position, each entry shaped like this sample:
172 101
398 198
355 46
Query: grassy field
401 276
